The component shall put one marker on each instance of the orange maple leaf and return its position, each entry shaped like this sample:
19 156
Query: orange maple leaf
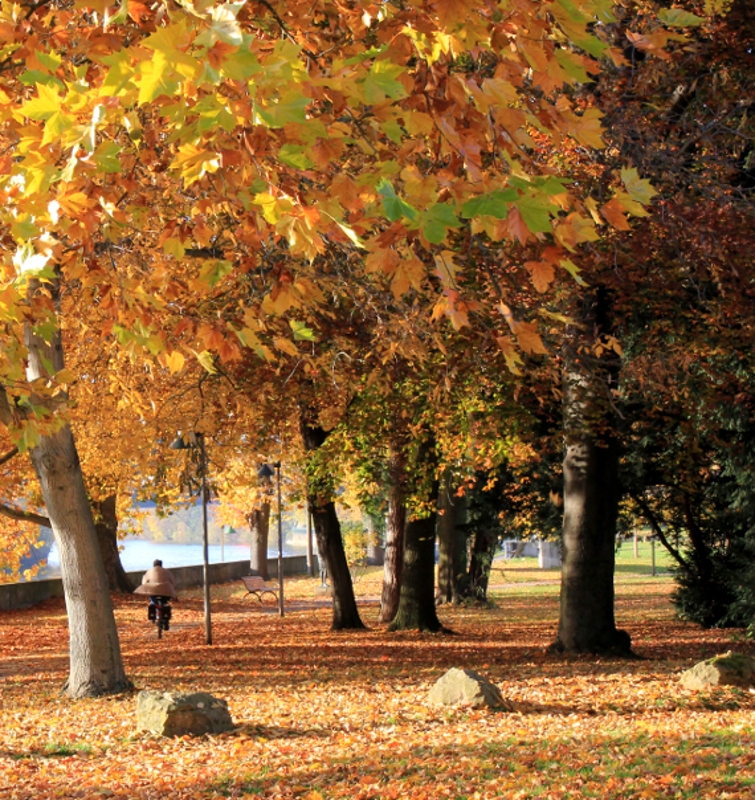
542 273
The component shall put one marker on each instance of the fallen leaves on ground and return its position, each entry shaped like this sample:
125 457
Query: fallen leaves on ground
325 714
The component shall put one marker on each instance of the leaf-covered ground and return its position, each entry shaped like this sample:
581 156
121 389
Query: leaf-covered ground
344 715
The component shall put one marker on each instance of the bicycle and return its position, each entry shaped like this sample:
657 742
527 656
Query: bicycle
159 613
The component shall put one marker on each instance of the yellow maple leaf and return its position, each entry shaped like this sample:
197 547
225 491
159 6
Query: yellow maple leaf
192 163
174 361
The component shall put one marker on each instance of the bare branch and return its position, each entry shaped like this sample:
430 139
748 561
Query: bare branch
24 516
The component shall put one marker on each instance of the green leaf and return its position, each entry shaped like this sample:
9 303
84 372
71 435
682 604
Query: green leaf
156 79
380 83
393 206
571 66
214 270
573 270
34 76
290 108
24 229
301 332
106 157
679 18
174 247
536 211
213 114
243 64
120 74
435 222
495 204
119 17
392 130
170 42
294 156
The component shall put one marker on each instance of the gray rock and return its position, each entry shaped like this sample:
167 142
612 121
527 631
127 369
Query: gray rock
730 669
463 687
179 714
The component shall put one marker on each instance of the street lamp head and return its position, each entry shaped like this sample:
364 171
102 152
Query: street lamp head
265 471
182 442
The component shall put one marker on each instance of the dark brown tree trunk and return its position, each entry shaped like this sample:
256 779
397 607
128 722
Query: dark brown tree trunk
259 527
394 537
106 525
480 561
591 497
329 541
451 544
416 609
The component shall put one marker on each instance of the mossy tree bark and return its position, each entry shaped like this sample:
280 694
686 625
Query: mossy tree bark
328 534
416 608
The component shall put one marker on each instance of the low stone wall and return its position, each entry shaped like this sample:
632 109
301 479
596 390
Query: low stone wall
23 595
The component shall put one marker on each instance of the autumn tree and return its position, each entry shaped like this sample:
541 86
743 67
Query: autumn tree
679 296
153 155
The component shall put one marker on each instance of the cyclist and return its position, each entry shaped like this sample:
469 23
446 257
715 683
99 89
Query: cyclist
158 583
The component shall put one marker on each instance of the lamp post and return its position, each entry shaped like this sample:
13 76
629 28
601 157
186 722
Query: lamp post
188 442
265 471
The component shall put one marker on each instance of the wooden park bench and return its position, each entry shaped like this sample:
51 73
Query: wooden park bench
256 586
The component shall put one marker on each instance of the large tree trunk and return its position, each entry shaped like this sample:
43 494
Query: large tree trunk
394 537
591 503
590 512
106 525
96 665
416 609
329 541
259 527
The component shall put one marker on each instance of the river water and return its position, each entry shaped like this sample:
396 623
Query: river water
138 554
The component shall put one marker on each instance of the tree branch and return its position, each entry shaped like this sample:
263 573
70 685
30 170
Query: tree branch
647 512
8 456
24 516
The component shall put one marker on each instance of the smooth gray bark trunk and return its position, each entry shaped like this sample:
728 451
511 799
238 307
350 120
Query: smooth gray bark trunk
394 537
96 664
